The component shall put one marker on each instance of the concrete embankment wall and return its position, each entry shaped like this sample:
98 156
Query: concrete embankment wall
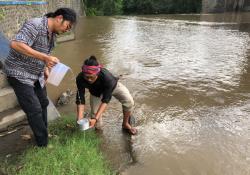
220 6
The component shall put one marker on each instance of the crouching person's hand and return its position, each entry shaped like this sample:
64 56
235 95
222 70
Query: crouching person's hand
92 122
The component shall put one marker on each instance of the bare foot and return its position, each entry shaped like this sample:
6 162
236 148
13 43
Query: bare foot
132 131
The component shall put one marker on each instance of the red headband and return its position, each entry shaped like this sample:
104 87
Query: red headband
91 69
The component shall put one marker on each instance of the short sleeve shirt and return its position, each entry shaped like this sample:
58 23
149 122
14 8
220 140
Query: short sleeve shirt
27 69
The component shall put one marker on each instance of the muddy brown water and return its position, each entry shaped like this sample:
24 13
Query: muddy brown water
190 78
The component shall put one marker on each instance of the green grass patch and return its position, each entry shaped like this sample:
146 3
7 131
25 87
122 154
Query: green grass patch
70 151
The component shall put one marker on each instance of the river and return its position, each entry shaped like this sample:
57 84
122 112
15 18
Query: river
190 79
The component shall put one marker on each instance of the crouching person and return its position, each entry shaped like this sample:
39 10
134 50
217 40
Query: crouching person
102 86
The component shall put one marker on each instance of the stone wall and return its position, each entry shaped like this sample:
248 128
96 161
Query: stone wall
214 6
77 5
13 16
207 6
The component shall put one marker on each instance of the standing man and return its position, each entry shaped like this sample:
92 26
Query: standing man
28 63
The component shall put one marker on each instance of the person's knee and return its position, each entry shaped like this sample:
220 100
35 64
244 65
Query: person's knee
31 109
128 105
34 114
44 103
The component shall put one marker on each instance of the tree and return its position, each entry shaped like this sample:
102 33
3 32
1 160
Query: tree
161 6
116 7
104 7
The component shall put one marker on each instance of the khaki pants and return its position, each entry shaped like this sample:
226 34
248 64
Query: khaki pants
121 93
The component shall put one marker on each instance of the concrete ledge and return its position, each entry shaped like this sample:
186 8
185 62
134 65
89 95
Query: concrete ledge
8 99
3 80
65 38
11 117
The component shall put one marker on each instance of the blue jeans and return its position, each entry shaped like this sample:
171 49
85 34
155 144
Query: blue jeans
34 102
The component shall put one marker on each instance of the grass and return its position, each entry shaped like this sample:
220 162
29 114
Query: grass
69 152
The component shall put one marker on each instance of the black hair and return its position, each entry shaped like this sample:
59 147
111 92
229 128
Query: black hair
91 61
67 13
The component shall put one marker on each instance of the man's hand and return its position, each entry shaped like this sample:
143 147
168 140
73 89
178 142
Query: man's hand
51 61
27 50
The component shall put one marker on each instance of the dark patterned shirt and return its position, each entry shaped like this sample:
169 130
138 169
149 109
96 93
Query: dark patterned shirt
103 86
27 69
